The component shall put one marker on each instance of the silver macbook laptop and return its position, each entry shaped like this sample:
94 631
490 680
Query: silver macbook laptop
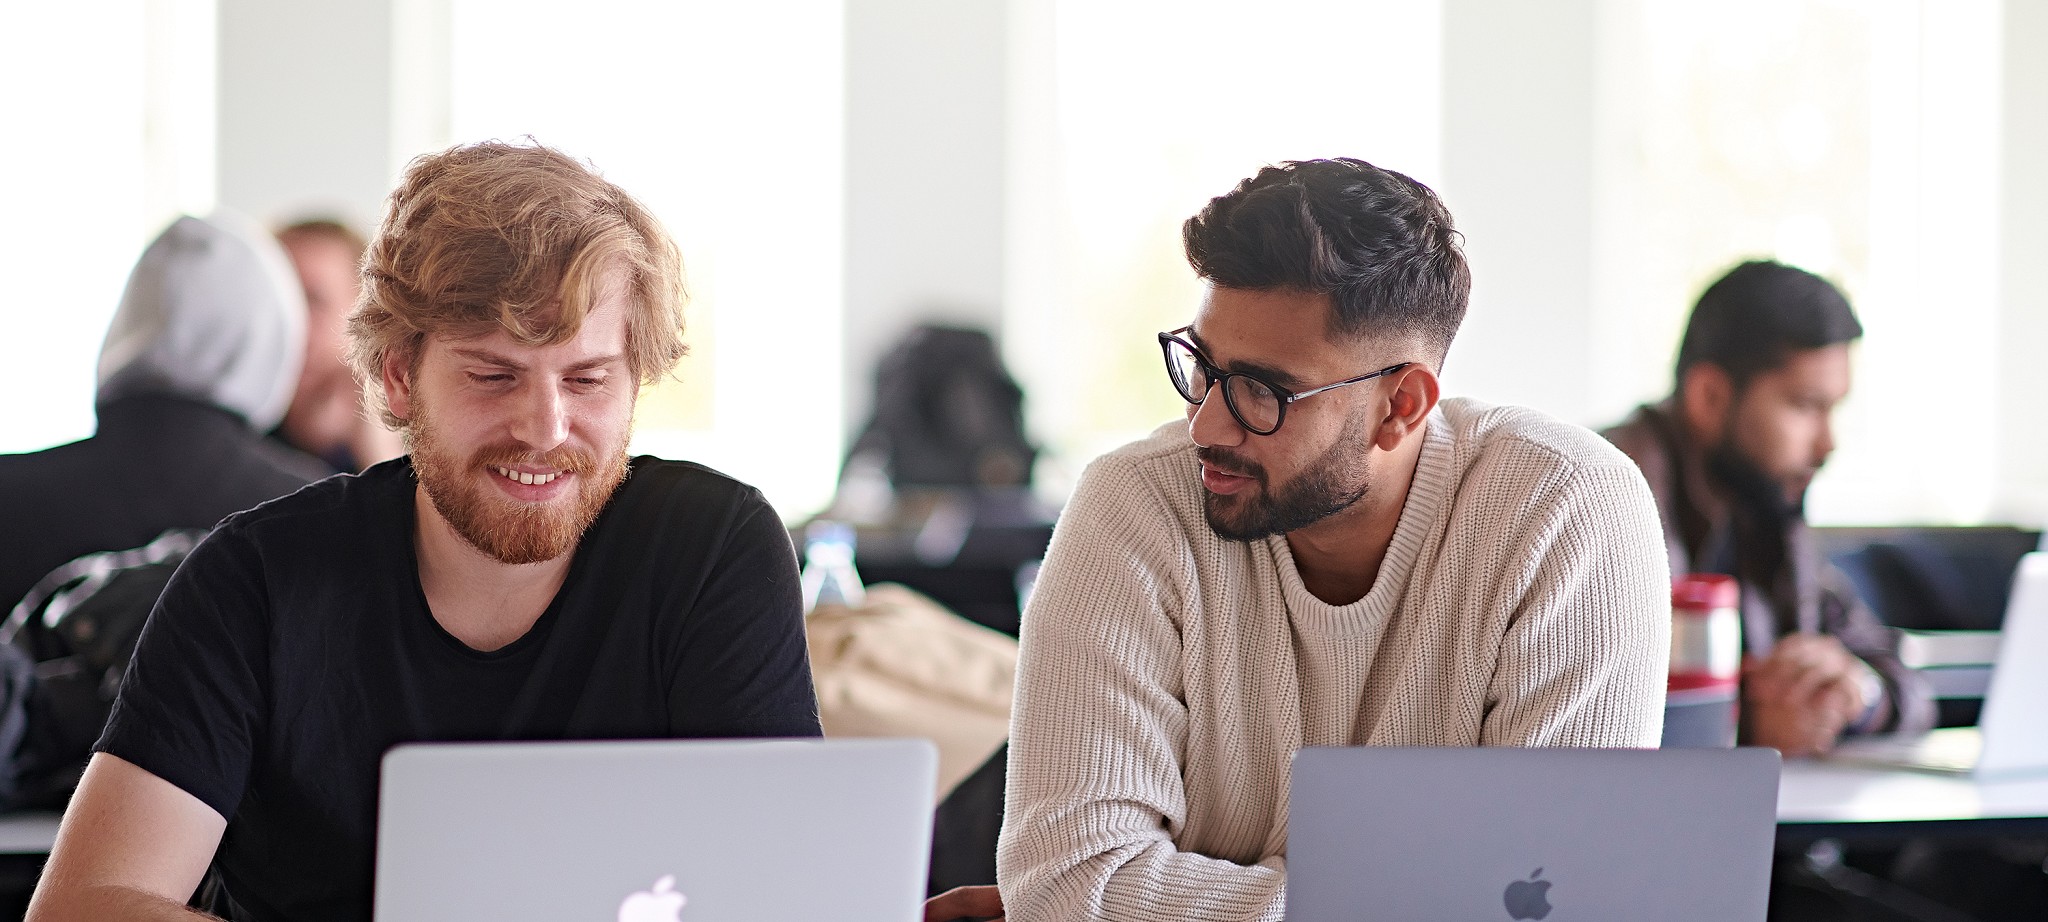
1584 835
2011 736
667 831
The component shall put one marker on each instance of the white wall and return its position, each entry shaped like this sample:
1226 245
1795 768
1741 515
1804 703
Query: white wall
322 104
305 119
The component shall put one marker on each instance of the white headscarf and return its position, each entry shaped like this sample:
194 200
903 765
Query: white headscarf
212 312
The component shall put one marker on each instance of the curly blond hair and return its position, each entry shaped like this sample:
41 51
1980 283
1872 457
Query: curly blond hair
518 237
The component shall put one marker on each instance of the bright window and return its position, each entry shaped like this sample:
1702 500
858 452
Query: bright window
724 119
109 124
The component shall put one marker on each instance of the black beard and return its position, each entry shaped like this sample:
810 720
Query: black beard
1748 485
1315 495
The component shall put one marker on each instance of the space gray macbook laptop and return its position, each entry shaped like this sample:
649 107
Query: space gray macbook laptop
667 831
1573 835
2011 736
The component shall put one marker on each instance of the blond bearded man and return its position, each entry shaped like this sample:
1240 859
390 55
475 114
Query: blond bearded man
515 577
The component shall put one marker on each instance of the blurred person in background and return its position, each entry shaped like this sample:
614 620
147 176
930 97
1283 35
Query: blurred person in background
1729 455
199 361
326 417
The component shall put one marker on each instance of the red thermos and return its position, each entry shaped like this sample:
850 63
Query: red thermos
1703 695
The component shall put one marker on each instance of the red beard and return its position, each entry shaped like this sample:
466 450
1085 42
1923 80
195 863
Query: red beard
505 529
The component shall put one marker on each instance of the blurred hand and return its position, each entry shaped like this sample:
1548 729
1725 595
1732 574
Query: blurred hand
1800 697
965 903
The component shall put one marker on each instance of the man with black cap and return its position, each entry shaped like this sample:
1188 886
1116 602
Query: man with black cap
1729 455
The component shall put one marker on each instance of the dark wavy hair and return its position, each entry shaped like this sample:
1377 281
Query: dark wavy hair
1757 315
1380 244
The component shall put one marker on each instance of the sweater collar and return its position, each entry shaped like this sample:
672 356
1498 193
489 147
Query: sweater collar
1419 513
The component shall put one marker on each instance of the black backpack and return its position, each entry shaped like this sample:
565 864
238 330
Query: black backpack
947 414
63 652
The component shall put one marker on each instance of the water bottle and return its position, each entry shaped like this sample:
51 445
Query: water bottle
1703 696
829 577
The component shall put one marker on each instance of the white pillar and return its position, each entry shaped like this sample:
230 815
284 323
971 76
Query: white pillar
1518 175
925 123
322 103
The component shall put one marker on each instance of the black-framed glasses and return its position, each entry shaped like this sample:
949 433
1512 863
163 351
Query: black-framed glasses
1256 405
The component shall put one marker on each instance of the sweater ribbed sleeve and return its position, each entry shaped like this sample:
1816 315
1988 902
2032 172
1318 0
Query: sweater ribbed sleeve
1166 676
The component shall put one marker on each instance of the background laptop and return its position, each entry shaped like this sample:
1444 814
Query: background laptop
2011 736
1598 835
694 831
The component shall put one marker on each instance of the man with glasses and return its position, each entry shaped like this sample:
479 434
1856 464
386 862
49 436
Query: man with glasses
1323 554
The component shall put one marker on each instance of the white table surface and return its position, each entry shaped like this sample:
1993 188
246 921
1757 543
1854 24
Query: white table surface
1825 792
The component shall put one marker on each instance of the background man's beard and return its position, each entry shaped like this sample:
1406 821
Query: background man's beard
509 531
1751 486
1319 492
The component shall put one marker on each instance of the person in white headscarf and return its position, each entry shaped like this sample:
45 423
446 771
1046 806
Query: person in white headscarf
201 359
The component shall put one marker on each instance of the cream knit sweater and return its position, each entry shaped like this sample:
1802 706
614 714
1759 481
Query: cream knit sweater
1167 676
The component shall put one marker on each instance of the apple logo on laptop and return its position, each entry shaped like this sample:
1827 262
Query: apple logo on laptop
1525 899
664 903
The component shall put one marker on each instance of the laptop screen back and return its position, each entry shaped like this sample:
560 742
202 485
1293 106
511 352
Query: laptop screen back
2015 718
1598 835
670 831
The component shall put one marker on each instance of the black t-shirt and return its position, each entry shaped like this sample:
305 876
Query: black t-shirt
295 646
